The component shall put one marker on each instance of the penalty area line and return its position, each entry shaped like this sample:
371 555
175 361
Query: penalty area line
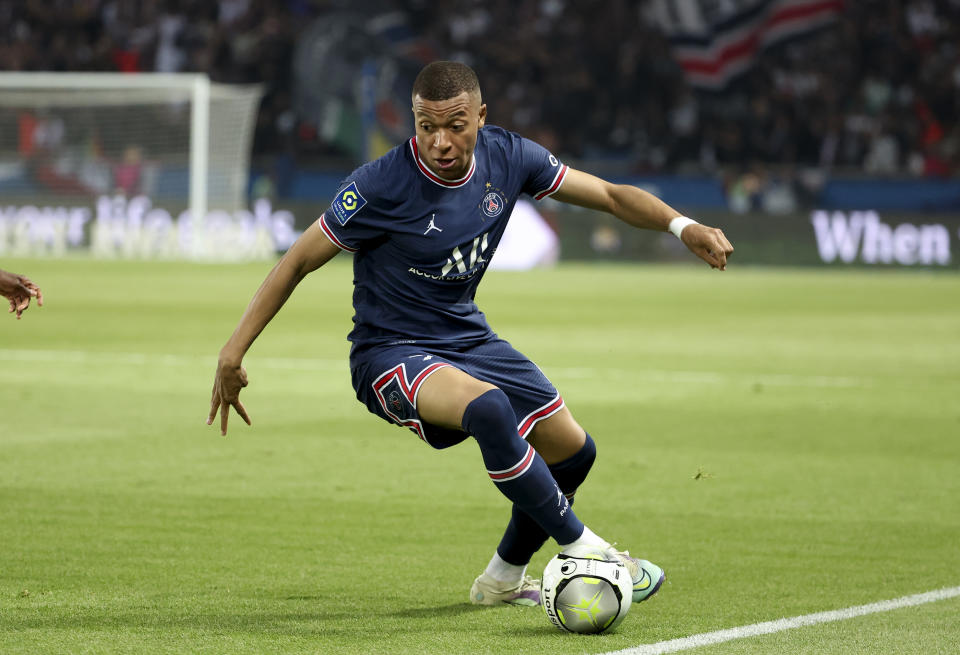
770 627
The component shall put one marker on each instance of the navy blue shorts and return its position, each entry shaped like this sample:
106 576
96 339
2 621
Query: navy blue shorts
388 378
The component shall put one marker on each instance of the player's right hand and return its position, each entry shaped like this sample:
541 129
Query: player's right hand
227 383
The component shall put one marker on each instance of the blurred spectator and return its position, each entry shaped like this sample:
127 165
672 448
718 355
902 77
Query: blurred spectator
126 173
878 91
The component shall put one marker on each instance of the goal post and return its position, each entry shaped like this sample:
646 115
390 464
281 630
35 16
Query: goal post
177 138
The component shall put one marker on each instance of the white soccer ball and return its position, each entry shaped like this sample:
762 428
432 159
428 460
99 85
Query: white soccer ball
588 595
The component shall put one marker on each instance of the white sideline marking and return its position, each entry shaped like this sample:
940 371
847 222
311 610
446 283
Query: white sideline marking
312 364
769 627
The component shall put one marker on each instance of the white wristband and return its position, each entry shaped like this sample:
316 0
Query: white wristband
680 222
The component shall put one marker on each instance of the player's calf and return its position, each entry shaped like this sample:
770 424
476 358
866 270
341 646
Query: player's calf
515 467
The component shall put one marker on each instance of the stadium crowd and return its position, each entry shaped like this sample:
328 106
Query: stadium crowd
878 91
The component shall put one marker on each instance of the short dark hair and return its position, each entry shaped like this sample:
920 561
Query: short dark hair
442 80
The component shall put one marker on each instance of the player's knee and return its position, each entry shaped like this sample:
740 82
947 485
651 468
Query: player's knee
558 437
490 418
587 454
571 472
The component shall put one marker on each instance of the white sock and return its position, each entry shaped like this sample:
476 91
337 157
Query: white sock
505 572
588 538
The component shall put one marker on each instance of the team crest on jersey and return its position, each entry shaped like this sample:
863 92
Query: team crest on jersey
492 204
347 203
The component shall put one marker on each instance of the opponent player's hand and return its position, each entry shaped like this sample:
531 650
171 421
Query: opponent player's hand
18 289
708 243
227 383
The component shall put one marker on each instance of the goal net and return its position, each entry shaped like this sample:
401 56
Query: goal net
176 140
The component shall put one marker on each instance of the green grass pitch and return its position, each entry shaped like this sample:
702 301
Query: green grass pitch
782 442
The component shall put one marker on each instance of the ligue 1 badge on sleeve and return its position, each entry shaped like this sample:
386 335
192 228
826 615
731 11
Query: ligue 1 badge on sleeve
347 203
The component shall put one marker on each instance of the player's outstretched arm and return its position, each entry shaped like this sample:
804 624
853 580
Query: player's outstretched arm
18 289
644 210
311 251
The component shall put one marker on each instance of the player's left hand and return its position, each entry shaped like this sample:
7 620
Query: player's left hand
708 243
227 383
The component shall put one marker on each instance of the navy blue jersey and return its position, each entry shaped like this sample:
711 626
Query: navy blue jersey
422 243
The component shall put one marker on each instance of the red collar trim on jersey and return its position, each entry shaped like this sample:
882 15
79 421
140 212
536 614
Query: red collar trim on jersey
433 177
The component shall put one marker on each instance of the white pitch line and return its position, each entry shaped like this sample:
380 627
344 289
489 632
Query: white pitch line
770 627
312 364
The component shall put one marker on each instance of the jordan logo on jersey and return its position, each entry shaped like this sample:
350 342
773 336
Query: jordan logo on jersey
432 225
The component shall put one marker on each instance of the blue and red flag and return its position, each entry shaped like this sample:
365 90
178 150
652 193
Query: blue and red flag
715 41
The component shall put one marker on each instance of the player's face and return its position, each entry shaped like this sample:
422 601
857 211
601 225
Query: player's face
447 132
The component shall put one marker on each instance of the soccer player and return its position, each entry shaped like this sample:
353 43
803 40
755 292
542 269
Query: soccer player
422 223
18 289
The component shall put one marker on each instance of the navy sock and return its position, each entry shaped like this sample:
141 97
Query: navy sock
523 536
516 469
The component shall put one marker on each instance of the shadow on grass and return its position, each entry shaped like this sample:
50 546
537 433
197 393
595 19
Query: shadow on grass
454 609
303 625
314 622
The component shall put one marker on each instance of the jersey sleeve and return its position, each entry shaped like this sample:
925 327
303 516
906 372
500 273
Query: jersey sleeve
351 219
545 173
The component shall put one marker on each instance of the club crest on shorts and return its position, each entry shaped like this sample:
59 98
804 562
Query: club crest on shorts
492 204
394 400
